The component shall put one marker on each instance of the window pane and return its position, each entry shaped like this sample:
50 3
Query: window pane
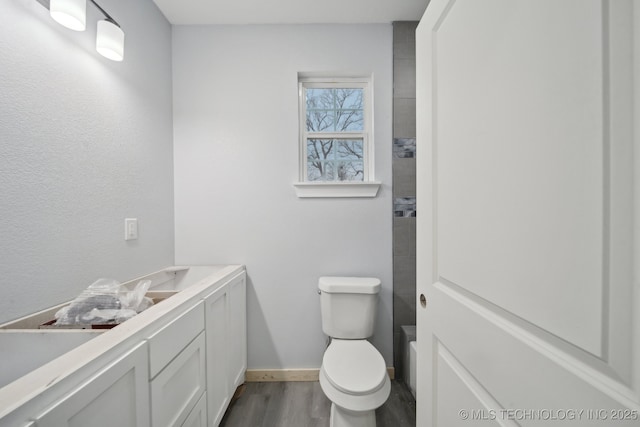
350 171
349 149
349 121
320 171
349 109
320 110
349 99
339 110
320 98
320 121
335 159
314 171
321 149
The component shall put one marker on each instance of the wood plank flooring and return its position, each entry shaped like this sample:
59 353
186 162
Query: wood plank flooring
303 404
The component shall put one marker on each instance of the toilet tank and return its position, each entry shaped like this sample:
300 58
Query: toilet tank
348 306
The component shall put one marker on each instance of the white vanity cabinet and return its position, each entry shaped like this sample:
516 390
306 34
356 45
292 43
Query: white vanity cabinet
117 395
226 332
176 364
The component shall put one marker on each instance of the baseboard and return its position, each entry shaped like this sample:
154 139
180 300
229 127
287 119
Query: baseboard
269 375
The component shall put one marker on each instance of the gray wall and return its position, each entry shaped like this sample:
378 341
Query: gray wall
236 159
404 182
84 143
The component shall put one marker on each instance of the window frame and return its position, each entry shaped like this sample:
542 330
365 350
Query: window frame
368 187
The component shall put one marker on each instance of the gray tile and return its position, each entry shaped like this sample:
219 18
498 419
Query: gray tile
408 332
404 207
404 49
404 272
404 31
404 148
406 298
404 167
404 78
404 237
398 364
404 310
403 186
404 177
404 118
397 353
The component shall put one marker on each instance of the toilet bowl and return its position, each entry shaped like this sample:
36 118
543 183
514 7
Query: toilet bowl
354 377
353 374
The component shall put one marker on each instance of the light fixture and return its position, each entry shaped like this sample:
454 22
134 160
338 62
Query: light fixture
73 14
109 37
69 13
110 40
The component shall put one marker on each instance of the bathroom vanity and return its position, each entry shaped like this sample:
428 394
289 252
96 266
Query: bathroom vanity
177 363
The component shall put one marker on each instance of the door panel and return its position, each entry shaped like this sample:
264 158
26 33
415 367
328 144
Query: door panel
547 207
456 389
525 179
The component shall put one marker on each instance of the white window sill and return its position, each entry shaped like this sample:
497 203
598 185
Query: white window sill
337 189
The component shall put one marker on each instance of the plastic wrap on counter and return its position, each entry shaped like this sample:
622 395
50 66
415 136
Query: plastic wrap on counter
105 302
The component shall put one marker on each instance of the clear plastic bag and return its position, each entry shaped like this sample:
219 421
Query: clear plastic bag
105 301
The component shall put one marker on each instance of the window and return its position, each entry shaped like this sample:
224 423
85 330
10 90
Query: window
335 136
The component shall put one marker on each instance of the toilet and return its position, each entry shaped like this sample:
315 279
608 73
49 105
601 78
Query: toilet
353 374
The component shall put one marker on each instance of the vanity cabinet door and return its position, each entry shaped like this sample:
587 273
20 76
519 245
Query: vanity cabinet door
117 395
217 321
179 386
238 330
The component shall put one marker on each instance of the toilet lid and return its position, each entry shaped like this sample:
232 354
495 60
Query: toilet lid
354 366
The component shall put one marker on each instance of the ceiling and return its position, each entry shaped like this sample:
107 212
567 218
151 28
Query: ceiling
202 12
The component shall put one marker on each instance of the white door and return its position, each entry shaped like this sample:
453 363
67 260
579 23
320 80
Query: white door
526 224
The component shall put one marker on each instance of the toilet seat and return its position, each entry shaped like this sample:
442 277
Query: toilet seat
354 367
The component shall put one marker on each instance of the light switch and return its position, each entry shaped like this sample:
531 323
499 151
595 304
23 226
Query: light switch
130 228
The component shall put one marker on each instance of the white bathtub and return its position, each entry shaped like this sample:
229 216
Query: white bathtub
413 356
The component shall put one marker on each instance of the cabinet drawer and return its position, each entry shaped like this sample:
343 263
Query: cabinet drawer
177 389
165 344
198 417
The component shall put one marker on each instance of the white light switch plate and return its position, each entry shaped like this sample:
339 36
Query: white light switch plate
130 228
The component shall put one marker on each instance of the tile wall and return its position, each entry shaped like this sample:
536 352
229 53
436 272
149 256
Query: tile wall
404 184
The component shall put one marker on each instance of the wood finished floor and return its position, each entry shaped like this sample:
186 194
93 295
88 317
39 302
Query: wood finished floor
303 404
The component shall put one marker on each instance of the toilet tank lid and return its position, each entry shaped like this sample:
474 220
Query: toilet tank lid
349 285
